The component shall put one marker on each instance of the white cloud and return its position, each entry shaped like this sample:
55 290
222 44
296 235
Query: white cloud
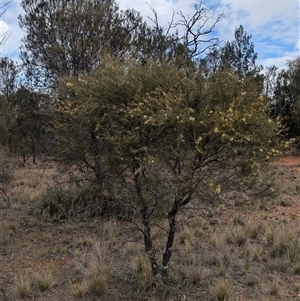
4 28
10 18
279 62
257 13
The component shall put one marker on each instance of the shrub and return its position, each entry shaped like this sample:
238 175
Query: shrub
79 203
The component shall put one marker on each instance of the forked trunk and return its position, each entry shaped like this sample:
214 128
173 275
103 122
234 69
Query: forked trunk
178 203
150 250
172 230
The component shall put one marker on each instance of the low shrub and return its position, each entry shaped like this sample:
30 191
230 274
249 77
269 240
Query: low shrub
79 203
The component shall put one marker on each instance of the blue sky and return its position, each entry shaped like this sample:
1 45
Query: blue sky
273 24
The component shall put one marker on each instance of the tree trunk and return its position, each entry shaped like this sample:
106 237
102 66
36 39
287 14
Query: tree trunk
145 214
172 230
150 250
23 151
99 173
178 203
33 150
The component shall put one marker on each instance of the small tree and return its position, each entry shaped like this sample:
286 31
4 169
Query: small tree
66 37
238 56
165 139
286 98
9 73
22 111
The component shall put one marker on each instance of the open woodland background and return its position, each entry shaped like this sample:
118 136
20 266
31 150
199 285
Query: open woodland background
141 162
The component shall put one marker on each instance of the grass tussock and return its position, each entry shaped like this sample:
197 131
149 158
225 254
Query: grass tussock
143 270
286 244
96 272
44 280
78 290
274 287
239 236
196 273
23 285
222 290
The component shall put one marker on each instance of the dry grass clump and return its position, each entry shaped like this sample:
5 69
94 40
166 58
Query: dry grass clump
222 290
274 287
95 270
286 244
297 269
23 285
252 281
254 252
196 273
218 241
270 234
184 240
107 234
8 230
239 236
98 272
143 270
78 290
30 182
44 280
254 229
188 271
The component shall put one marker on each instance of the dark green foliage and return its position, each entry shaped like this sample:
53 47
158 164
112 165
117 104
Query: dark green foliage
237 56
24 121
66 38
9 72
286 100
5 177
82 203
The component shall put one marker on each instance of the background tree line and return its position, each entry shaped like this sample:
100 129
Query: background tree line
160 120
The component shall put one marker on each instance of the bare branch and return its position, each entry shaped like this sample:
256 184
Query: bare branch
196 27
4 36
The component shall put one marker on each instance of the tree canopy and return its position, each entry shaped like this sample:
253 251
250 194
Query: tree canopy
68 37
286 100
238 56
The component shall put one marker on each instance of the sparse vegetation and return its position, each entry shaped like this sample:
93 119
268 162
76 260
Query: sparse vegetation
23 285
87 258
154 173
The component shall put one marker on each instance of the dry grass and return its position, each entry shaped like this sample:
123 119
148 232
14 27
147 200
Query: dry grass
222 290
95 271
23 285
196 273
143 271
274 287
232 252
44 280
